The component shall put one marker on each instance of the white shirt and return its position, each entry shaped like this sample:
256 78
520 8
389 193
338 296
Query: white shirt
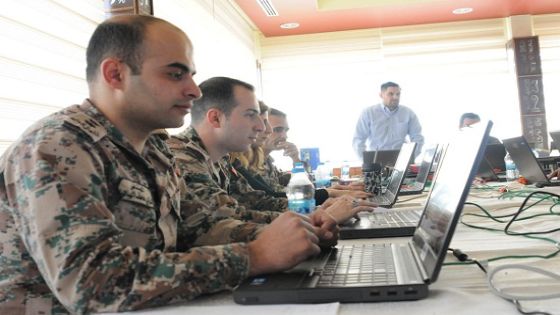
379 128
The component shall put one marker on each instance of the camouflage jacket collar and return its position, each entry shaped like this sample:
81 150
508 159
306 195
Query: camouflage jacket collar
190 140
94 123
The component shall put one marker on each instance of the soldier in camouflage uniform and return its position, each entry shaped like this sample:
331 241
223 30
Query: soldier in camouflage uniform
245 168
277 141
90 212
202 149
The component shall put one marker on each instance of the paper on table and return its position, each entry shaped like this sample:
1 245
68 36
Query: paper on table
280 309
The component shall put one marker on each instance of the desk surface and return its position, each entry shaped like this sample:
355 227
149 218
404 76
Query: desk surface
460 289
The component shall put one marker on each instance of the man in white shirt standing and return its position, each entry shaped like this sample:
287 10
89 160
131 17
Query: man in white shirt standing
385 126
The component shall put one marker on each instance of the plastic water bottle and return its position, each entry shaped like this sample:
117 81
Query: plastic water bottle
345 171
322 176
511 170
300 191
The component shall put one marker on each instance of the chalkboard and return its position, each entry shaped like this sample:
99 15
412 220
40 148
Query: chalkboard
534 130
531 95
527 56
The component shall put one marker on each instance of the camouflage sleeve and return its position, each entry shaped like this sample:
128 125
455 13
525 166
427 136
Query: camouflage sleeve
203 226
201 186
274 177
72 237
247 196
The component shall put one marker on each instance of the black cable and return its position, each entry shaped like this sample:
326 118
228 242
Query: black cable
522 208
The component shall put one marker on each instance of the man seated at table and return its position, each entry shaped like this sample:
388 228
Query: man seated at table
468 119
247 170
227 119
90 200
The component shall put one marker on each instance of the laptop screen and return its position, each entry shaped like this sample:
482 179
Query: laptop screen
443 207
555 135
401 166
524 159
495 154
427 160
386 158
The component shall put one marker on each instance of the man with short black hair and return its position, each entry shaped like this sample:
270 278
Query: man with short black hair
90 209
385 126
468 119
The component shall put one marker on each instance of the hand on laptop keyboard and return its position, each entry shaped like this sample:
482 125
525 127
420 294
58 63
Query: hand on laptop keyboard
344 208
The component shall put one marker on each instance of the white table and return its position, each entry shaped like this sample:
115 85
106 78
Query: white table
459 290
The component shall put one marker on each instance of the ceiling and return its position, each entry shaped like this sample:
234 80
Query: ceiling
317 16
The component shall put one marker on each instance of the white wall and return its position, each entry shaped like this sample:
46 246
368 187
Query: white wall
323 81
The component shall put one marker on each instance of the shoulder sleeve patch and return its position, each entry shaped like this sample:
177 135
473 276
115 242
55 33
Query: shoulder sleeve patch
88 125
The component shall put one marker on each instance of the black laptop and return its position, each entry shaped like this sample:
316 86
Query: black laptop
417 186
383 271
555 135
386 158
388 195
495 154
526 162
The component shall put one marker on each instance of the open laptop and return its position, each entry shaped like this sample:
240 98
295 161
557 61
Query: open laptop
555 135
526 162
388 196
386 158
495 154
417 186
486 171
383 271
493 167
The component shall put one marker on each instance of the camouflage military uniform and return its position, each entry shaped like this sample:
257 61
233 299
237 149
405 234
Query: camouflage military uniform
88 224
272 176
247 195
209 181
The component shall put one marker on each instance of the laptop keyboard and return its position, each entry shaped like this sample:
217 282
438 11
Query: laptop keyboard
380 200
360 265
394 218
411 187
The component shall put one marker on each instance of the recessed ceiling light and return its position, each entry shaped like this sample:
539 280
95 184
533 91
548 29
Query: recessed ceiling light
462 10
289 25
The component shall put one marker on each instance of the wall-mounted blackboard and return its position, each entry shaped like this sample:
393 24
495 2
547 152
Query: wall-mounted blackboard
527 56
531 97
534 130
527 64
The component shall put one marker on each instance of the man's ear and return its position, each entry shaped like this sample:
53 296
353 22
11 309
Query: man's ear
214 117
112 72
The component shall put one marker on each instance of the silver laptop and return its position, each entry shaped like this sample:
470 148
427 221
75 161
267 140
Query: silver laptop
383 271
385 158
526 162
388 196
555 135
417 186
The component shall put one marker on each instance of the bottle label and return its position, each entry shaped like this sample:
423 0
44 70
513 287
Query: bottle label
302 206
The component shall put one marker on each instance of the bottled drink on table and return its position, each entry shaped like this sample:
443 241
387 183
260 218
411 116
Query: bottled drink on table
512 174
300 191
322 176
345 171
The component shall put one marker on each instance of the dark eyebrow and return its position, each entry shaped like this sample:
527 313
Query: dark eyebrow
181 66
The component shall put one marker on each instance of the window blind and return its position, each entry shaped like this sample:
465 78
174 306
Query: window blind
42 56
42 59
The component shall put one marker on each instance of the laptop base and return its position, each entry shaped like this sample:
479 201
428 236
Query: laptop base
547 184
280 294
347 234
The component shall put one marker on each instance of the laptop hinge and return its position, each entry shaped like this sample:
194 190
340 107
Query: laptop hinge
418 262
